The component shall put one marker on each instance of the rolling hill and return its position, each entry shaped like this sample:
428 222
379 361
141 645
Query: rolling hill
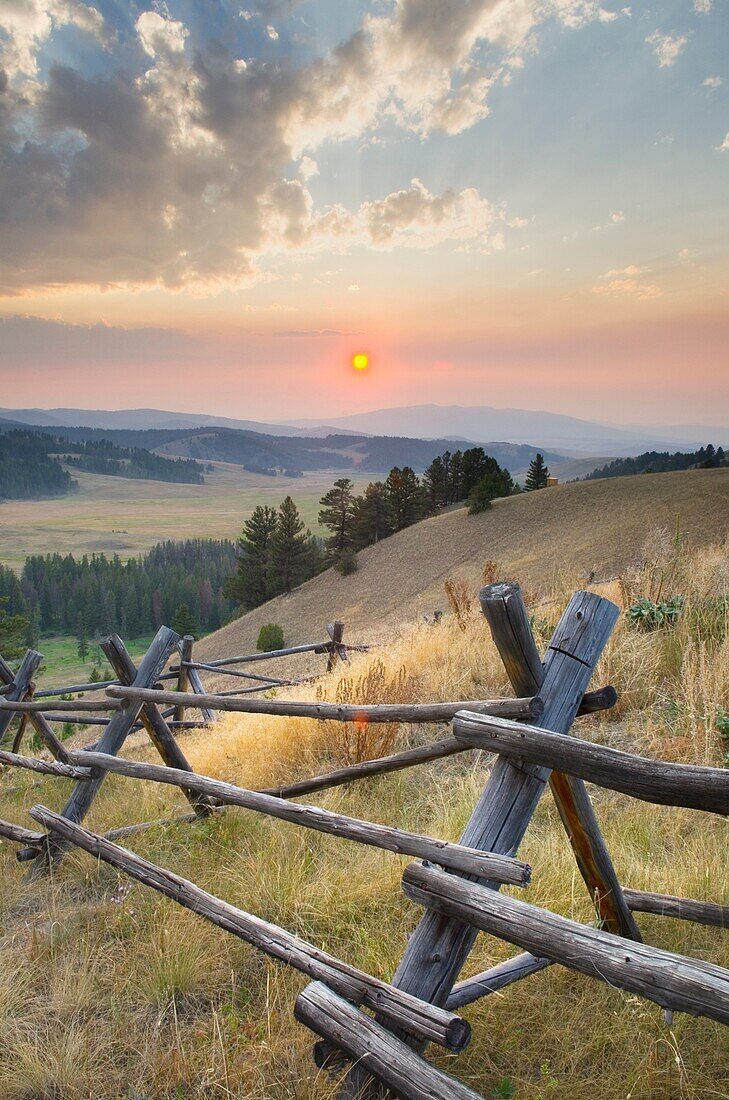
480 423
573 529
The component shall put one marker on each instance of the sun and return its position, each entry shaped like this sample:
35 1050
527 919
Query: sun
360 361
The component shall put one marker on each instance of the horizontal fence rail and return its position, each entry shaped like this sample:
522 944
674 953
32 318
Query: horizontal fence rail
687 785
500 868
415 1016
336 712
670 980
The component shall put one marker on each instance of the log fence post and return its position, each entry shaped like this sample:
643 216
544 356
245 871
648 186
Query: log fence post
111 741
505 612
183 678
440 944
160 734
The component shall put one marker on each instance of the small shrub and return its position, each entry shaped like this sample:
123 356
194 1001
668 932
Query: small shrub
490 571
646 614
346 563
270 636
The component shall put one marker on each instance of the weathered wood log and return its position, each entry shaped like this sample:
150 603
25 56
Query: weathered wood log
416 1017
396 762
672 981
658 781
506 614
198 688
38 706
161 736
387 1058
38 721
183 678
73 689
20 835
44 767
666 905
337 651
290 651
440 945
499 868
18 684
337 712
110 742
160 823
271 681
496 978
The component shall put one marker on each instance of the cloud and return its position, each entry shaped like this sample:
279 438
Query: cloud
24 336
724 147
631 270
308 168
617 216
666 47
703 7
628 288
272 33
28 24
172 167
712 82
353 287
160 35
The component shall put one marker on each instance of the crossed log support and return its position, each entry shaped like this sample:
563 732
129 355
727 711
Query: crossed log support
441 943
116 733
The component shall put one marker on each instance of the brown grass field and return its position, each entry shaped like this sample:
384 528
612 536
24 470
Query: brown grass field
108 991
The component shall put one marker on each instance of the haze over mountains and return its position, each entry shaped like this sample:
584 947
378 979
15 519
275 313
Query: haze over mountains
476 424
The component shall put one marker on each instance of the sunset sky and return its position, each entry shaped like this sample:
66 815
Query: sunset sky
211 207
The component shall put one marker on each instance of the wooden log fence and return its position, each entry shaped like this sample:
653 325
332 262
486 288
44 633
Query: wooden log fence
531 742
419 1018
698 788
672 981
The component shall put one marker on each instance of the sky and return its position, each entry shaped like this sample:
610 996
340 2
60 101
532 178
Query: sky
208 206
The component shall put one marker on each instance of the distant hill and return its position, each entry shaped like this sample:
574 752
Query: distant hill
264 452
579 528
137 419
466 424
567 434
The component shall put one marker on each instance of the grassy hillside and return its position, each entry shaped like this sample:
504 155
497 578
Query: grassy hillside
108 991
579 528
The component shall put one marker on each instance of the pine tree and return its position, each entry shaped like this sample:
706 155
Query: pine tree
82 636
435 483
12 632
252 584
290 549
337 514
537 474
405 497
183 622
494 482
372 519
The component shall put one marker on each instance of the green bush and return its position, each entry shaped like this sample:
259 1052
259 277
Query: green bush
346 563
270 636
646 614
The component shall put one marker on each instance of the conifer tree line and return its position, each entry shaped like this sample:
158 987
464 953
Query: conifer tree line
30 464
91 596
276 553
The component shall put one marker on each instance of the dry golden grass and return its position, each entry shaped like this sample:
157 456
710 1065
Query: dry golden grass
109 991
